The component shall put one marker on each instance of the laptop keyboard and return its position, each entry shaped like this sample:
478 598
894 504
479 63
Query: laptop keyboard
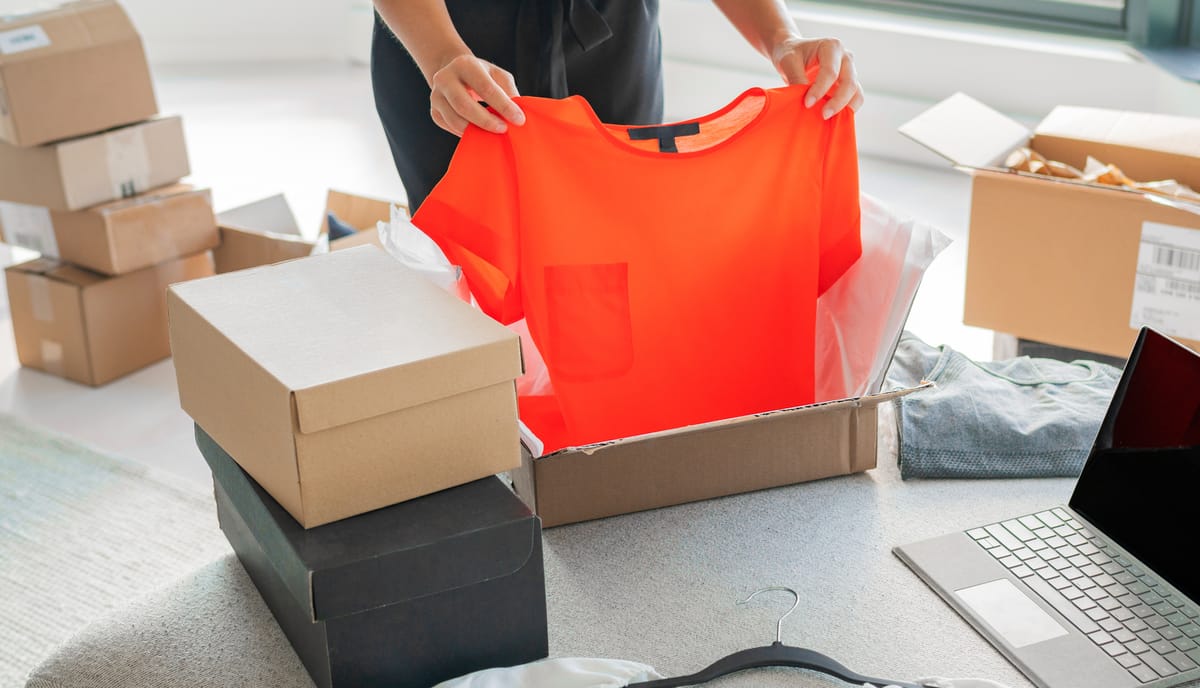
1124 609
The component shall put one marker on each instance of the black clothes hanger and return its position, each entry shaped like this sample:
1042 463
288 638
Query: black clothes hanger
774 655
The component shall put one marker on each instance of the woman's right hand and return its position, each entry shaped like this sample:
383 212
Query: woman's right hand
458 86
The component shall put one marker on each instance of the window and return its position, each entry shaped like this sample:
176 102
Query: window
1166 31
1143 22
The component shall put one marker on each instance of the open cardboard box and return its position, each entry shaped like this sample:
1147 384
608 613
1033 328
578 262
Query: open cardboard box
708 460
266 231
1066 262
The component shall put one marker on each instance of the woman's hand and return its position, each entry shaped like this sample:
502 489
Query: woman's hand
458 86
794 58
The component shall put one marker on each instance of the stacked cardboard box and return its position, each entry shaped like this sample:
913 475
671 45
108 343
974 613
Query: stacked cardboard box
354 415
88 178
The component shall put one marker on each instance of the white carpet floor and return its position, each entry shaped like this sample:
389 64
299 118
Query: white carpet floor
81 534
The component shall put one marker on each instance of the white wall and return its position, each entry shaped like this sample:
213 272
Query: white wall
241 30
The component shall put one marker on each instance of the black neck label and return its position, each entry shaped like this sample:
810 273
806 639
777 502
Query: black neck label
665 134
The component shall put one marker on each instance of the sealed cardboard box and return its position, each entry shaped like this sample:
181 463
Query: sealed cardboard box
700 461
121 236
406 596
81 172
345 382
90 328
69 71
1069 263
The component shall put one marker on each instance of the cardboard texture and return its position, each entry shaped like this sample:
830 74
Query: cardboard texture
90 328
69 71
81 172
702 461
259 233
1067 263
452 582
345 382
121 236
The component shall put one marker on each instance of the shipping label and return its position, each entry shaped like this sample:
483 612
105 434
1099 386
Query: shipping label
22 39
28 226
1166 293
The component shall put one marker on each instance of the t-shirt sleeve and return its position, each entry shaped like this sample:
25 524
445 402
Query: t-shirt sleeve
841 242
472 215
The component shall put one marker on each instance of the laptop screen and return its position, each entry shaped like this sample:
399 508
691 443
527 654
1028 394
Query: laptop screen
1141 484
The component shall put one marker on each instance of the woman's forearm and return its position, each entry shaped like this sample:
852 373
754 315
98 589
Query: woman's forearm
425 29
765 24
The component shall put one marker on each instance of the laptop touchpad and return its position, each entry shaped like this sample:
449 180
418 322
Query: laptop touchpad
1011 613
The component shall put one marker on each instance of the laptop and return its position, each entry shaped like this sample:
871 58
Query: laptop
1102 592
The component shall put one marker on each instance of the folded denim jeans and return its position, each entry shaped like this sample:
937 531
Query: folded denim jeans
1019 418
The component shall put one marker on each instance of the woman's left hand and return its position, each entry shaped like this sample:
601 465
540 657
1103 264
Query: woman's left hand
835 75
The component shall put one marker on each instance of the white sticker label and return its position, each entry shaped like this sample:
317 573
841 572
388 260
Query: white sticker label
128 162
28 226
1166 289
22 39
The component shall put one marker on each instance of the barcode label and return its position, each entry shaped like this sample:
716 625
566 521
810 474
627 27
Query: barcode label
1166 289
22 39
1177 258
28 226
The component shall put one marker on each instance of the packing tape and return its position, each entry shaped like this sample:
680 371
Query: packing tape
128 162
28 226
40 303
52 357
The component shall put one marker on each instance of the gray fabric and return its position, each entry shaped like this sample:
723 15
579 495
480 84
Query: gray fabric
1024 417
209 630
82 534
658 587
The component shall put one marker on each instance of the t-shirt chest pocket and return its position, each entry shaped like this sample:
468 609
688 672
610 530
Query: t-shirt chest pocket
588 320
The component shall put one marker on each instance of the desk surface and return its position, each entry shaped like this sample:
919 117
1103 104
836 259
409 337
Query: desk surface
660 587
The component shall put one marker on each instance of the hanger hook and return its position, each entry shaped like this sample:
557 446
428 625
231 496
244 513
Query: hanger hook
778 624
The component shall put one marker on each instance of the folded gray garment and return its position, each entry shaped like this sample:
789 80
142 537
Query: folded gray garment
1020 418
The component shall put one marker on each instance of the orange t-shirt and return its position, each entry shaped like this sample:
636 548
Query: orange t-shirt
663 289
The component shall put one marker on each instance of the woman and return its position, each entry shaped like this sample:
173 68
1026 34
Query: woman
432 61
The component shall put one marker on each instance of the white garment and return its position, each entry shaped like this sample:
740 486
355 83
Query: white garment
575 672
568 672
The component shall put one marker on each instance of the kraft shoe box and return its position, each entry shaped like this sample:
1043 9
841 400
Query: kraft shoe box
402 597
345 382
85 171
1064 262
69 71
121 236
90 328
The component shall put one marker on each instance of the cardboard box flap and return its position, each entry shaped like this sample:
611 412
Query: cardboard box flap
966 132
59 272
535 447
69 27
270 215
347 359
444 541
1147 131
360 212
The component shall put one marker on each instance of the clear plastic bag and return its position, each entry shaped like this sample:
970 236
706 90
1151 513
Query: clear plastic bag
860 318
